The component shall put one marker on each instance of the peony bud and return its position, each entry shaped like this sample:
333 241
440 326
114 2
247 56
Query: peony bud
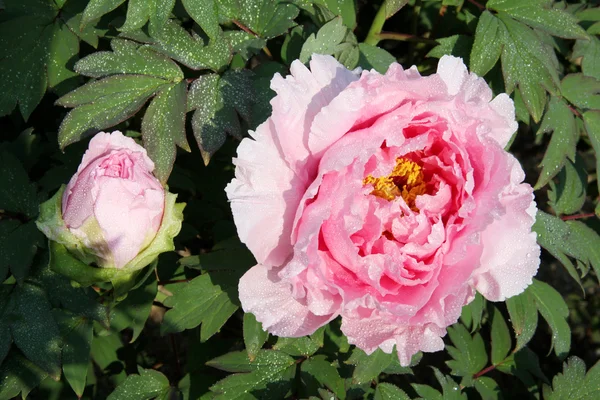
113 212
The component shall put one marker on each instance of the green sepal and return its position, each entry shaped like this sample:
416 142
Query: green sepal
51 223
65 263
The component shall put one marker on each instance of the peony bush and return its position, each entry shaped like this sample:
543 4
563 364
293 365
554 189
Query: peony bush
299 199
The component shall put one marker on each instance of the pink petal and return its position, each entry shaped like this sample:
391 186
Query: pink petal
127 216
103 143
453 72
263 294
511 255
370 329
300 96
264 195
505 108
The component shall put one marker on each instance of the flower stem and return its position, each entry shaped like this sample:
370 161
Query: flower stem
404 37
376 26
476 4
244 28
578 216
484 371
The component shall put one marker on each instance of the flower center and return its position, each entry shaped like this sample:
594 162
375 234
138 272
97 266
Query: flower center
117 165
406 181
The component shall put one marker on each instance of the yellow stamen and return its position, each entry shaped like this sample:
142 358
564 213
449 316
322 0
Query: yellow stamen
406 180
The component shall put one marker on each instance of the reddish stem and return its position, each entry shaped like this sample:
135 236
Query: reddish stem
484 371
476 4
244 28
578 216
574 111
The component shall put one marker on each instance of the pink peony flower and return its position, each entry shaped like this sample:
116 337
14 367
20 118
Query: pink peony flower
114 204
386 199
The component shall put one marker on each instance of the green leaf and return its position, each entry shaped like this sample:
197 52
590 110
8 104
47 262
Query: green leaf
135 309
16 193
368 367
128 57
163 128
26 31
555 311
76 355
147 385
245 44
332 39
206 14
528 62
254 335
238 361
97 8
455 45
229 254
18 246
590 51
396 369
216 101
487 46
5 310
488 388
19 375
583 91
72 14
346 9
175 42
302 346
82 302
427 392
34 330
373 57
500 335
319 369
105 351
64 47
141 11
569 194
525 365
540 14
336 337
524 317
555 235
104 103
387 391
476 311
199 301
561 122
468 353
266 18
592 127
270 380
585 243
573 383
450 390
393 6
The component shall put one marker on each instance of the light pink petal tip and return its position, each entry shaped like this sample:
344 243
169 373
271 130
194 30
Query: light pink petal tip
104 142
511 255
270 300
